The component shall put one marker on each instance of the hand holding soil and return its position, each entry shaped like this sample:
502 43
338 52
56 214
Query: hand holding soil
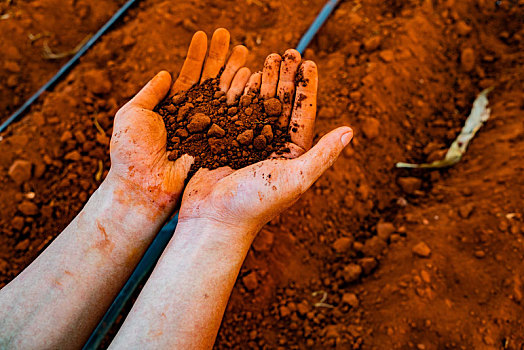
207 126
250 197
138 146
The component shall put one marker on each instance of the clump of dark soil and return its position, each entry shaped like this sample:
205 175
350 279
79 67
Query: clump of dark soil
200 123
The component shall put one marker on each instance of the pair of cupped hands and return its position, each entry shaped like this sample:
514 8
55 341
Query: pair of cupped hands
243 199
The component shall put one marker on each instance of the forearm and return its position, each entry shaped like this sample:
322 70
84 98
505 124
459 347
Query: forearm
182 304
57 301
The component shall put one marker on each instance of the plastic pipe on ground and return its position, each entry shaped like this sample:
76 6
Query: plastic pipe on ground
315 26
65 68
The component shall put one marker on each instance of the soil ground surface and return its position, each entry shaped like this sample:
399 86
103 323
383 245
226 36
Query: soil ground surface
371 257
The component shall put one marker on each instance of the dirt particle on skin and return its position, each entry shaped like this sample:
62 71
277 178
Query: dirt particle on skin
289 57
300 98
300 80
287 98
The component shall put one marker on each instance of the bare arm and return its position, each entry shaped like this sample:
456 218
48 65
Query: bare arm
57 301
182 304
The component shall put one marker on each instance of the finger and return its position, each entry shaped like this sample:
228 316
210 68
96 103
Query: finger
302 123
286 83
217 54
175 175
253 84
190 72
236 61
317 160
154 91
237 85
270 76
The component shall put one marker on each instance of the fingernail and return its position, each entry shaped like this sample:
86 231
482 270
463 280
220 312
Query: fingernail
162 72
346 138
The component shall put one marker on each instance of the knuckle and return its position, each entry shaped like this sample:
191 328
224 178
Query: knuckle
186 80
214 57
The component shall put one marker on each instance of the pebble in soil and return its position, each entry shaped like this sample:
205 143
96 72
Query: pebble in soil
200 123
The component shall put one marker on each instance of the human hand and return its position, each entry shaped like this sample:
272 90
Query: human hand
243 201
139 160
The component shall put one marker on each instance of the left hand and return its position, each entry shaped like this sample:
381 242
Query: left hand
139 162
242 201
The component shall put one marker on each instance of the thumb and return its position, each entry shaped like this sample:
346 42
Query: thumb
154 91
176 174
317 160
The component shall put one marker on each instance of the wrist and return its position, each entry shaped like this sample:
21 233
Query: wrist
141 195
125 209
216 232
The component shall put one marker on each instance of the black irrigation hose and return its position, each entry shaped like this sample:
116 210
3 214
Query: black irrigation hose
65 68
316 25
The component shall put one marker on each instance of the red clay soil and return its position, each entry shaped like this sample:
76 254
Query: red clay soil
371 257
201 123
27 26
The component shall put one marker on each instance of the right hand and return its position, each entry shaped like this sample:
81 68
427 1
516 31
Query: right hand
139 160
242 201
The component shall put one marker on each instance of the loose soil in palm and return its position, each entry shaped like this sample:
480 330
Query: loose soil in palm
200 123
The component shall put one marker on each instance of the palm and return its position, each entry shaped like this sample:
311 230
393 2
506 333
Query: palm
138 150
253 195
138 144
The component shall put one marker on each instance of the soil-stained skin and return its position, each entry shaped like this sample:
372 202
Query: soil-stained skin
403 74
